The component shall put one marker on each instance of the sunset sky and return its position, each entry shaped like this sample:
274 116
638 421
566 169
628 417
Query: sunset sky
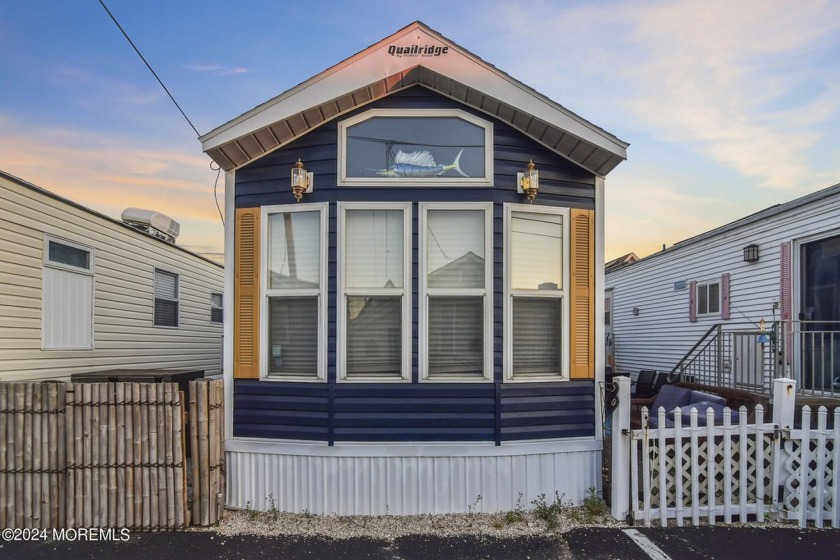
729 107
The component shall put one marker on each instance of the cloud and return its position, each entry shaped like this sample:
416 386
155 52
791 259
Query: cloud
109 173
753 86
216 69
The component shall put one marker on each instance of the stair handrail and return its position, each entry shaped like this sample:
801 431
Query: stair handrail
676 374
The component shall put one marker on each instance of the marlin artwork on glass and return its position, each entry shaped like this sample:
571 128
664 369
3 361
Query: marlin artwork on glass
420 164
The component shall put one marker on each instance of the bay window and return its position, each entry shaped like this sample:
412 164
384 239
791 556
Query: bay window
456 257
536 287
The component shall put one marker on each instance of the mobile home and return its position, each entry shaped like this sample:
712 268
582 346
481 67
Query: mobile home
413 328
81 292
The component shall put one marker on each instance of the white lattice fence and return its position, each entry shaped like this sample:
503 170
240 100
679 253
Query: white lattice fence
693 473
808 463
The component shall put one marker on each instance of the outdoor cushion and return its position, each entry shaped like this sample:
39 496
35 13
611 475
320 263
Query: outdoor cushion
671 397
700 396
702 407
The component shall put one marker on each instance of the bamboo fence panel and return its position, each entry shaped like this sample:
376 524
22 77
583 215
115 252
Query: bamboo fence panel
208 457
32 460
122 452
78 455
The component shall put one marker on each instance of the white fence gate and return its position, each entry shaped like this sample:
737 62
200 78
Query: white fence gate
727 472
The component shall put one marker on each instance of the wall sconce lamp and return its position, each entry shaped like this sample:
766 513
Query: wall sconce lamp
302 180
751 253
529 182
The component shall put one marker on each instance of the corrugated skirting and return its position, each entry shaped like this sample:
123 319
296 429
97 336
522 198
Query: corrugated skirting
399 479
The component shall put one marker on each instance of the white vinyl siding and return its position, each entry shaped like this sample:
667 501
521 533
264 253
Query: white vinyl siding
123 293
660 335
456 256
374 300
294 272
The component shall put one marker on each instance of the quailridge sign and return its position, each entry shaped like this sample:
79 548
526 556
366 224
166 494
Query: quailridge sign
417 51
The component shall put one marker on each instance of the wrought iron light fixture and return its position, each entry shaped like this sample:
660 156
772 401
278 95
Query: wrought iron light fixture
751 253
529 181
302 180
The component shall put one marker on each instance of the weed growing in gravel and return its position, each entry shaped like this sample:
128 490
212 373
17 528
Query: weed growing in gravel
472 509
272 507
593 509
517 514
252 514
548 513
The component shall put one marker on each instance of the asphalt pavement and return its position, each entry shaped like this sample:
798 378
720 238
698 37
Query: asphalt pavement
689 543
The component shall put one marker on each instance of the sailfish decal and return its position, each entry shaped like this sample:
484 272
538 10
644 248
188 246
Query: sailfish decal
419 164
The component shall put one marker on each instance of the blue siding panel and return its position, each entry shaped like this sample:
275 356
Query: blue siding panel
414 411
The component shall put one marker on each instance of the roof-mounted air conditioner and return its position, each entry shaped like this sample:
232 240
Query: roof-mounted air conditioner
152 222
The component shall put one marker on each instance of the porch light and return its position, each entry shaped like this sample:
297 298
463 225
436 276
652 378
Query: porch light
301 180
751 253
529 181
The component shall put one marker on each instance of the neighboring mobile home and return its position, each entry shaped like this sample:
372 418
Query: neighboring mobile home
412 336
781 265
81 292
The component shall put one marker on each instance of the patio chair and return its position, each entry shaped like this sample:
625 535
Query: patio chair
645 384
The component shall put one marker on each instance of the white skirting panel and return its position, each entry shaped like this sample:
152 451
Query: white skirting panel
362 479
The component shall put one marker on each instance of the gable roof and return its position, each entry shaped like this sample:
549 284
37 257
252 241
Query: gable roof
414 55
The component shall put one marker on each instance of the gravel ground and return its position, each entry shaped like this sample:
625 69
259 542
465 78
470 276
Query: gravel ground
389 527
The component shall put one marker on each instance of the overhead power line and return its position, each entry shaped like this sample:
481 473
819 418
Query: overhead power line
149 66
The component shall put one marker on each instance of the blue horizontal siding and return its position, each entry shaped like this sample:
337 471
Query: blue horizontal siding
413 412
547 410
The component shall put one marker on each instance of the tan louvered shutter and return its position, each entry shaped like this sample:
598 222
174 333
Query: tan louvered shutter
246 312
582 294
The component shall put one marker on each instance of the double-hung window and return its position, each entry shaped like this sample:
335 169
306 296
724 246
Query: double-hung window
67 295
374 300
456 256
166 298
536 288
216 309
294 306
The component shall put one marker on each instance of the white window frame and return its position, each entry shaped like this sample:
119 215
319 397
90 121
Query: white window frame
345 181
320 292
177 299
47 263
510 293
220 307
706 285
424 293
53 264
343 292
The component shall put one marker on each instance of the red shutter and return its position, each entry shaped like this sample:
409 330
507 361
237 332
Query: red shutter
784 275
724 296
692 303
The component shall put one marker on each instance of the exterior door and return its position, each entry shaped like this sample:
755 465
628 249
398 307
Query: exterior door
820 313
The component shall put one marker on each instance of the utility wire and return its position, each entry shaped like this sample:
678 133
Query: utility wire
148 66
